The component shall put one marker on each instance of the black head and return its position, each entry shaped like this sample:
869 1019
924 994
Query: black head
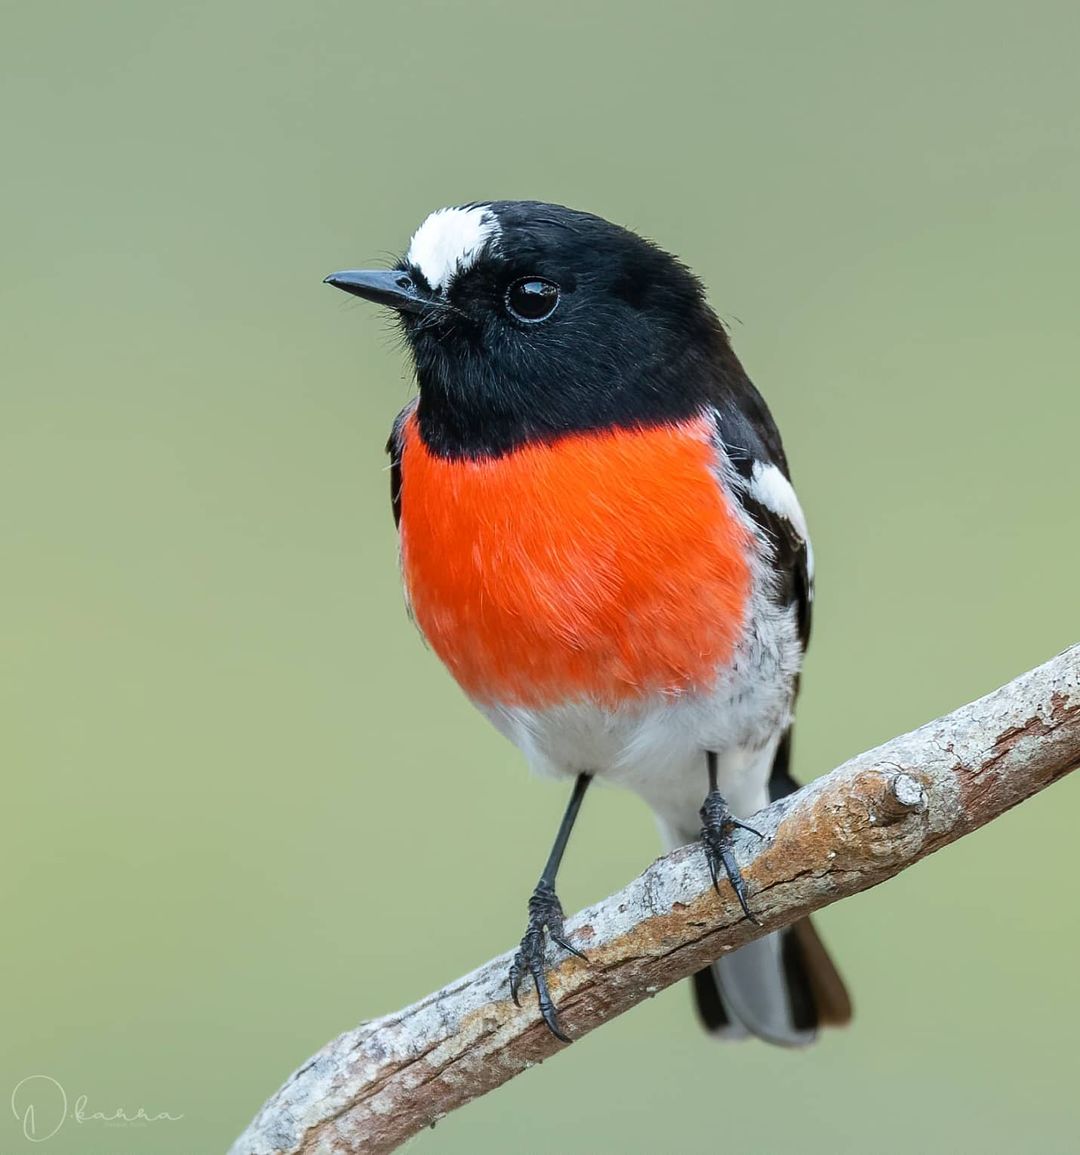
531 321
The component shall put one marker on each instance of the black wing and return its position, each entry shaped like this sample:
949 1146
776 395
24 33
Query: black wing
752 442
394 446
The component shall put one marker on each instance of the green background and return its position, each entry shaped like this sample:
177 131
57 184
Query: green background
243 807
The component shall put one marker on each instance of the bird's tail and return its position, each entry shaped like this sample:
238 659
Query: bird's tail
781 988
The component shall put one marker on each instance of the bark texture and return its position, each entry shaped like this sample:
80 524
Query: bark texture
376 1085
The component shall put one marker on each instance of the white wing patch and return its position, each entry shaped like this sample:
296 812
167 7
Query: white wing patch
449 242
773 490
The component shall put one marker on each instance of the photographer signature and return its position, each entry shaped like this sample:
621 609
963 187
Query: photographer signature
40 1104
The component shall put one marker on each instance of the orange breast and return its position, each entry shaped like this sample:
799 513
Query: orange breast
607 565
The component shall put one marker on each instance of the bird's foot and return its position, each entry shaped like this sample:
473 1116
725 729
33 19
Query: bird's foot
717 833
545 915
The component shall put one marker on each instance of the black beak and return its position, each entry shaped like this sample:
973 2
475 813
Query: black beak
383 286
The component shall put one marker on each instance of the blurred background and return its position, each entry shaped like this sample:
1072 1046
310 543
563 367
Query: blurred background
243 807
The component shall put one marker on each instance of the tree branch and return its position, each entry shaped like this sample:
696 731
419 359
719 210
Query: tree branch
375 1086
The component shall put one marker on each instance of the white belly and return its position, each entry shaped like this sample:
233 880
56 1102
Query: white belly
657 746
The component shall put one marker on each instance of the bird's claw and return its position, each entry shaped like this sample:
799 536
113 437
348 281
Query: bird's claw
718 824
545 915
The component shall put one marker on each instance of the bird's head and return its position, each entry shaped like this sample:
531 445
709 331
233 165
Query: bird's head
533 321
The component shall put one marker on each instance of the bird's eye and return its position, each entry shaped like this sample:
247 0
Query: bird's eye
532 298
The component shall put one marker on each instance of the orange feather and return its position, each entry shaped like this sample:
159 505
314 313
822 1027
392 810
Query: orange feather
607 565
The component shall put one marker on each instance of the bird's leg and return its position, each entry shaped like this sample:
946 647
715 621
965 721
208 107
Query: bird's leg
546 914
718 825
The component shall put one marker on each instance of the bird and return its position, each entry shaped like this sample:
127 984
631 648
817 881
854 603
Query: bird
600 539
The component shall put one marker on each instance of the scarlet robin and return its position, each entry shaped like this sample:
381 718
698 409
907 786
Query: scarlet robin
600 539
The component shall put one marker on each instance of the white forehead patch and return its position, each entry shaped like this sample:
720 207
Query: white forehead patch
449 242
